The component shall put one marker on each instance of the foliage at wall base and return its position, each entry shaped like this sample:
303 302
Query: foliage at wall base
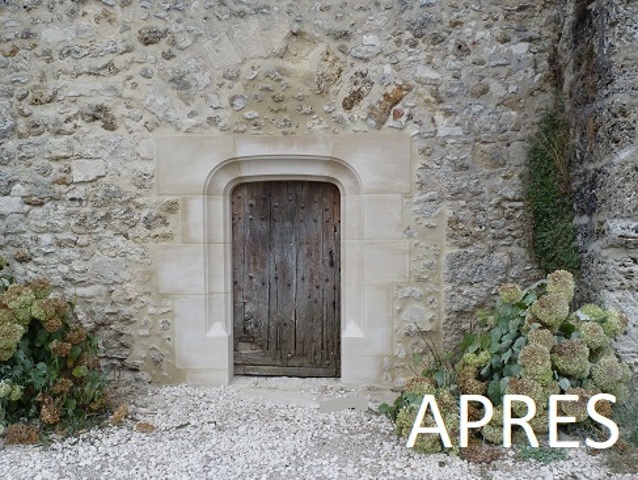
530 344
50 375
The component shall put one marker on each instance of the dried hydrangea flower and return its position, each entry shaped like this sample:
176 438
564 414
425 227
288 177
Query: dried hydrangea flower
47 308
529 387
75 336
50 412
52 325
425 443
7 316
562 283
536 363
16 393
571 358
510 293
550 309
608 372
615 324
465 371
61 349
604 408
552 388
10 335
23 316
577 409
18 297
492 433
62 386
591 312
92 362
540 423
43 309
41 288
21 434
5 388
530 322
477 360
99 404
541 336
497 417
593 334
472 386
421 386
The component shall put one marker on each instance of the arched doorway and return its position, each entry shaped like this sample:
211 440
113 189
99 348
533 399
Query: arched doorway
286 269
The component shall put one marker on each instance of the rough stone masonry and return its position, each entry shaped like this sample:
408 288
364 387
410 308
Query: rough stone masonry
85 85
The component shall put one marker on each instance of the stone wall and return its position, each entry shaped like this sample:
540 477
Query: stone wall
87 85
598 50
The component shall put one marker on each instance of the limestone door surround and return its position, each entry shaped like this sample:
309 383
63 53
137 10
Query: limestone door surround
373 174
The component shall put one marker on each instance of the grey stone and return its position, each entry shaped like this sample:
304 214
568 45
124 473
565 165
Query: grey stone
365 52
146 72
87 170
238 102
221 52
58 35
7 127
151 35
411 292
11 205
78 89
371 40
249 41
162 108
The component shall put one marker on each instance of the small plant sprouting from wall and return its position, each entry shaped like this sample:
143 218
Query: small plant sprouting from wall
548 194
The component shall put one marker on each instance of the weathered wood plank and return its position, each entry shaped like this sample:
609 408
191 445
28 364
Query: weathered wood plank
309 249
238 263
260 267
330 335
249 264
336 319
283 371
283 244
260 358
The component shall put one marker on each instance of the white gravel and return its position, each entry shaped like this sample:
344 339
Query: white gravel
262 429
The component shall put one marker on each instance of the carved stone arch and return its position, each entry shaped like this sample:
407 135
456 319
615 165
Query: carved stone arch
372 174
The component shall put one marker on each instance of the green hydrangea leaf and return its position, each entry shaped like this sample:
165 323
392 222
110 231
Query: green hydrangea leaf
564 384
80 371
468 339
567 328
507 355
494 391
41 338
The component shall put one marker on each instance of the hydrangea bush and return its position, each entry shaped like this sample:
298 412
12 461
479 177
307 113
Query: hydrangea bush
531 344
50 375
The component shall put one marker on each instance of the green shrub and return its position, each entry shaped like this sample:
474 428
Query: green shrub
529 344
49 371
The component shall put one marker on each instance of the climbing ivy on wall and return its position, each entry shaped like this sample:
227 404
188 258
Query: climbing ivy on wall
548 194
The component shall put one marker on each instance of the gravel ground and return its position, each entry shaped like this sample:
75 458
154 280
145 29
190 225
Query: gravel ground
262 429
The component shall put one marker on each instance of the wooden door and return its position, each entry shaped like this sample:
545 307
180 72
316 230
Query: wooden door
286 278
